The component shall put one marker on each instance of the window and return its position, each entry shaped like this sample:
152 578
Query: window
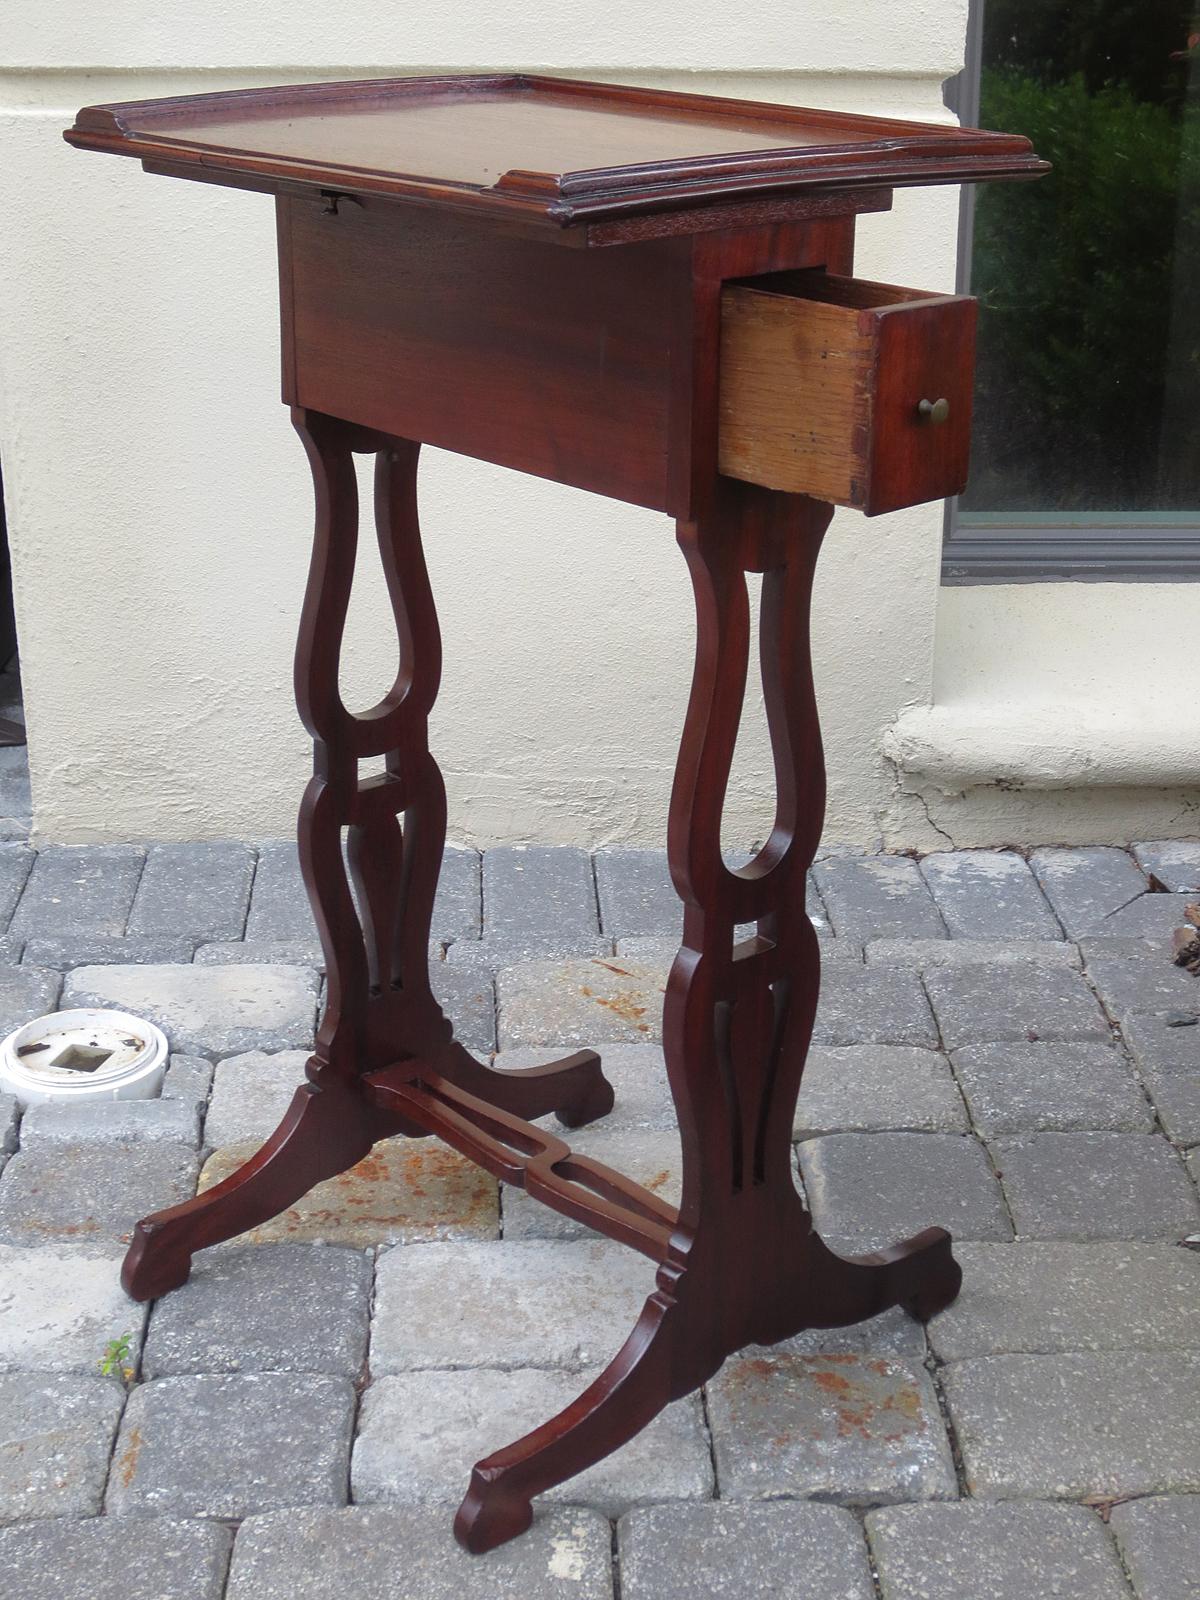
1086 458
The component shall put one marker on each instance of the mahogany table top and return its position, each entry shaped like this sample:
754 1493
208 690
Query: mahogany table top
551 151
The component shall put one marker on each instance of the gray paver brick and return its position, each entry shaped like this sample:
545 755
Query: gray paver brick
1176 1097
60 1308
457 906
637 1072
208 1011
400 1552
11 949
859 1430
1174 862
96 949
1095 1186
468 998
1049 1297
16 862
662 951
279 907
202 889
230 1445
187 1078
1006 1552
487 957
870 1190
877 897
1126 986
76 889
1159 1540
1158 1045
122 1122
278 1308
860 1005
1085 886
1070 1426
420 1434
1019 1087
892 1333
10 1119
538 900
654 949
576 1003
1106 1297
101 1559
90 1194
650 1157
734 1552
988 894
865 1088
250 1093
979 1005
55 1437
1150 916
25 993
14 759
1131 949
636 894
262 952
923 953
565 1304
815 907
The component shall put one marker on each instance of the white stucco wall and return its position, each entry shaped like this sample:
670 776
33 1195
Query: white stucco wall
159 504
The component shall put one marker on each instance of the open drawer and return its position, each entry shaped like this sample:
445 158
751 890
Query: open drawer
853 392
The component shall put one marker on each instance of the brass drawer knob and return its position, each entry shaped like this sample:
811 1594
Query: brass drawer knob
934 410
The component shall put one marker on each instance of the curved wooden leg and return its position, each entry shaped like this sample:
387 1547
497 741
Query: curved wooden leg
324 1131
629 1393
383 833
738 1016
574 1089
919 1274
380 1007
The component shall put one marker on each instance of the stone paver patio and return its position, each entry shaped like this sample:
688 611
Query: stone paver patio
1003 1047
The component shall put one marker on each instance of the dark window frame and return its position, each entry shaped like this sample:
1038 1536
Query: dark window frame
1010 549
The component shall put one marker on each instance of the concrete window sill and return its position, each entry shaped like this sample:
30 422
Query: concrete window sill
1046 746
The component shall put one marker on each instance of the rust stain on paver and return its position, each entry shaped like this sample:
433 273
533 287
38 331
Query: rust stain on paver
126 1463
623 1004
859 1406
65 1230
852 1398
403 1189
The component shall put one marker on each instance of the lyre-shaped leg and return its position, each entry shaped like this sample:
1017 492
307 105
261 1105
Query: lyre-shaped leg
380 1007
738 1018
744 1265
370 852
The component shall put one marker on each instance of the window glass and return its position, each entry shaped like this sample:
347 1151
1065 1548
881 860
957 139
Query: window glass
1088 388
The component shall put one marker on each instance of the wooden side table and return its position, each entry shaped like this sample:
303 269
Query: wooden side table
646 295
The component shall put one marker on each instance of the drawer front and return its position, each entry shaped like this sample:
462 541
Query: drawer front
853 392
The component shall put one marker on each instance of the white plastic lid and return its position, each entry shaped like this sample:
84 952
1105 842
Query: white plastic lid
70 1056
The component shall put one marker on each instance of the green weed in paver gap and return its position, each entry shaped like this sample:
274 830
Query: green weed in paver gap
116 1358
